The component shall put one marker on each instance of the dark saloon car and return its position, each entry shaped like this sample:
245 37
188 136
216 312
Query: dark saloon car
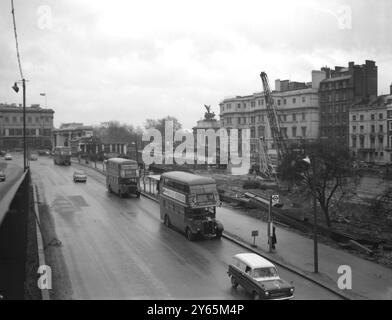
259 277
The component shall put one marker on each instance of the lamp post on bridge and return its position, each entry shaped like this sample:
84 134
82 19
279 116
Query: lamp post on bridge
16 89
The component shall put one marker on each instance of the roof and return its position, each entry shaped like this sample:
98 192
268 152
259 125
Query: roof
337 78
253 260
189 178
155 177
122 160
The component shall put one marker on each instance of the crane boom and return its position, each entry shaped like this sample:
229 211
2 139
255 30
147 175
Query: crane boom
273 119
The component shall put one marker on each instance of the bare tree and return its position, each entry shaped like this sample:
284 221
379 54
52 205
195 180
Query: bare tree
334 179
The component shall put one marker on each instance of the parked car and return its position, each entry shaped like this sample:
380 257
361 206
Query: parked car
33 157
8 156
79 176
259 277
43 152
3 153
2 175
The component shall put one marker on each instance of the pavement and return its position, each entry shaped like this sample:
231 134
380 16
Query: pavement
117 248
369 280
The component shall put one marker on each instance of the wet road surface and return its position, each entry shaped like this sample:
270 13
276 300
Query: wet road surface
117 248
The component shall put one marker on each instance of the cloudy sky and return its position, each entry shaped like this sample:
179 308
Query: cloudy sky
100 60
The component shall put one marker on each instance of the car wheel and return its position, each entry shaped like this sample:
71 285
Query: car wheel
234 282
138 195
167 221
190 236
256 296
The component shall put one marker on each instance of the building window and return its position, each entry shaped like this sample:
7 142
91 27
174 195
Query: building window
361 129
303 116
372 116
29 119
252 133
381 128
354 142
361 142
279 102
252 104
294 117
303 99
239 106
354 128
380 116
294 131
294 100
361 117
261 131
373 128
6 119
252 120
284 132
14 120
303 129
284 101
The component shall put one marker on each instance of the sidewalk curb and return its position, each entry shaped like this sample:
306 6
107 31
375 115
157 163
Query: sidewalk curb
40 243
290 268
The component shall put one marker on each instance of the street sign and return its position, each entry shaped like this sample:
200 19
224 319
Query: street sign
275 199
255 233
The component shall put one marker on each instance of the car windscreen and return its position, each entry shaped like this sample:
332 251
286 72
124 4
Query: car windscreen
270 272
79 172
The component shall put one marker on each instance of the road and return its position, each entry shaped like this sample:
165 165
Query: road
117 248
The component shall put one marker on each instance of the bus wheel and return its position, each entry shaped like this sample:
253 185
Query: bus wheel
190 236
167 221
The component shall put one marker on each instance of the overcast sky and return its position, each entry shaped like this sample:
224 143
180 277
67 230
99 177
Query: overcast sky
103 60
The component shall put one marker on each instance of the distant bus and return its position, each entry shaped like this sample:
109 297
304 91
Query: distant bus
122 176
62 156
188 203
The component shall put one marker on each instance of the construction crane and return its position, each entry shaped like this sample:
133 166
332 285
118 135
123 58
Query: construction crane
277 137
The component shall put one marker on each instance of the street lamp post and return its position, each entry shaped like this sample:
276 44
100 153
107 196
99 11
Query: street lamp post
312 161
16 89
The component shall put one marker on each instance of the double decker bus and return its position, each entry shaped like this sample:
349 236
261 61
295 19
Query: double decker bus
122 177
188 203
62 156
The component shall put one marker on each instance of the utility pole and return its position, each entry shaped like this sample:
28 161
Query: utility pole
24 126
315 240
269 224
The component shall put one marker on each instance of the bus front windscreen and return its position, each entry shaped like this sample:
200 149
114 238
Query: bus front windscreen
128 172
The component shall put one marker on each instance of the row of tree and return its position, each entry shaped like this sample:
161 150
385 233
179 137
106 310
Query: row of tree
114 130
